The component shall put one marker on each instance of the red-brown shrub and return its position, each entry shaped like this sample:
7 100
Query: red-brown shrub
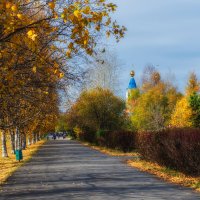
174 148
121 140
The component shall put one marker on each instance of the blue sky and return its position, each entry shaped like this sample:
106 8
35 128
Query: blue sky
163 33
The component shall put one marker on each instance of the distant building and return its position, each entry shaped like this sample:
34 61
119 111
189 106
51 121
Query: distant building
131 91
132 85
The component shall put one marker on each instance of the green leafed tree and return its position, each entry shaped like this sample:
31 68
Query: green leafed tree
194 102
61 124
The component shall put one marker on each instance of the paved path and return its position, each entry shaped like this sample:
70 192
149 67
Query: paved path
65 170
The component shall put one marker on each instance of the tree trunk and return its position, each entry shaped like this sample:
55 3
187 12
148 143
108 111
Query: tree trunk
17 139
12 141
39 138
29 140
24 141
34 138
20 139
4 147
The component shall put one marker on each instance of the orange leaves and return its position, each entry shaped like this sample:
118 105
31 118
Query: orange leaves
55 71
98 27
8 5
77 14
85 42
20 16
68 53
86 10
31 35
62 15
61 75
51 5
58 74
14 8
34 69
71 45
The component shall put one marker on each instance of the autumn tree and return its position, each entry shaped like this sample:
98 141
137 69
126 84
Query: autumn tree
150 77
103 71
37 39
155 104
193 84
97 109
182 114
186 112
61 124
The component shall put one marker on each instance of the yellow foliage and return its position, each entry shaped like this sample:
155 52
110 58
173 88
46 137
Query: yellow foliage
152 110
36 40
14 8
51 5
34 69
31 34
61 75
193 85
86 10
77 13
182 114
8 5
68 53
20 16
78 132
63 15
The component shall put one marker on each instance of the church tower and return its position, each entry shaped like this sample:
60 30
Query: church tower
131 92
132 85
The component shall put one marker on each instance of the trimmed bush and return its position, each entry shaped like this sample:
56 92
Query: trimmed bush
121 140
175 148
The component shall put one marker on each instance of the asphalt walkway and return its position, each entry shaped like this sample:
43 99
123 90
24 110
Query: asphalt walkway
65 170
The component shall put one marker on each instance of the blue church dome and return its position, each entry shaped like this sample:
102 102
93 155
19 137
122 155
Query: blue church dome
132 83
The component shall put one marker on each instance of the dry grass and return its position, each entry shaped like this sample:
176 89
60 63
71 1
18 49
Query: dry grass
111 152
166 173
9 165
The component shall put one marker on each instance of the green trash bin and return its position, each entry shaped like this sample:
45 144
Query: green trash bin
18 154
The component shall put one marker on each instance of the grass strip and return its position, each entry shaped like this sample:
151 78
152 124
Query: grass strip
9 165
111 152
166 173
